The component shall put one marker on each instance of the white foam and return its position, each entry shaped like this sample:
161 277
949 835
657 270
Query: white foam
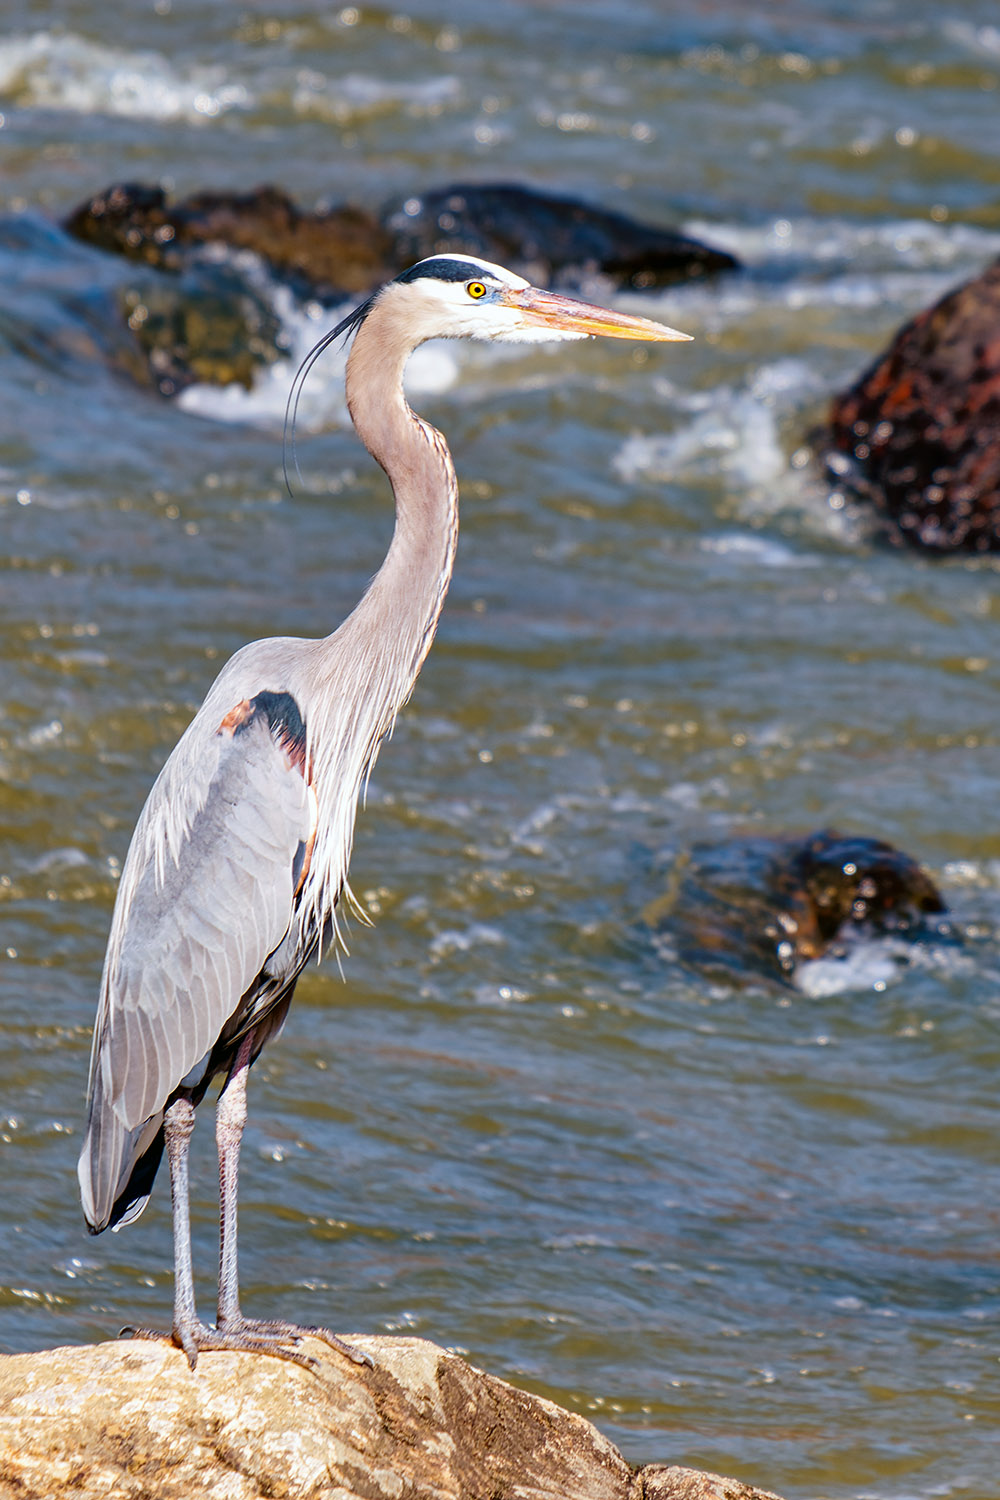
871 965
67 858
461 940
432 368
756 550
734 430
885 246
358 96
68 72
983 41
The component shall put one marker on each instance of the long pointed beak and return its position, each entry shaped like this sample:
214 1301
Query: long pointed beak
550 310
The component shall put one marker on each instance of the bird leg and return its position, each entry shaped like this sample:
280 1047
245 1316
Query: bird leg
178 1125
232 1330
188 1331
271 1337
230 1119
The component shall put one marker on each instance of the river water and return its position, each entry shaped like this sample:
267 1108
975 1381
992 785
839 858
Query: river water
743 1227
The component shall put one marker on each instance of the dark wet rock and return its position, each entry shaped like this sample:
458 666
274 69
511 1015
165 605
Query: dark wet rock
346 250
130 1419
546 237
207 318
326 255
919 432
766 905
129 219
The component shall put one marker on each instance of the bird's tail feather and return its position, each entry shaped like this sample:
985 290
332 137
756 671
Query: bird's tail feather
117 1165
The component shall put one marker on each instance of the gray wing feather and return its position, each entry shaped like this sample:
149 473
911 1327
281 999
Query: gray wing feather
206 896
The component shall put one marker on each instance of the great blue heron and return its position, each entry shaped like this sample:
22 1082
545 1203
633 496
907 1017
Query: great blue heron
240 855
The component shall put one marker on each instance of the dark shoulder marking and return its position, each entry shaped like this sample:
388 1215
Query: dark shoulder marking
283 720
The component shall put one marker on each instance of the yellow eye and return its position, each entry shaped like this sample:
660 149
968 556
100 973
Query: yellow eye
476 289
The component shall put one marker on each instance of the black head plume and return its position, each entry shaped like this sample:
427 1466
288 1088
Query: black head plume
346 326
444 268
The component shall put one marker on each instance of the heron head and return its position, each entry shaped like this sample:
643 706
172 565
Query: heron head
461 296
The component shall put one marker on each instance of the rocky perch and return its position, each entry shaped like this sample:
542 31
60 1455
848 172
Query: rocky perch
130 1420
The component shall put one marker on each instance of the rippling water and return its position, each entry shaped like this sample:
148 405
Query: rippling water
741 1227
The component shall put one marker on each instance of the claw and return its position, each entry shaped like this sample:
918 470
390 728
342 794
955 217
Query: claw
273 1333
205 1340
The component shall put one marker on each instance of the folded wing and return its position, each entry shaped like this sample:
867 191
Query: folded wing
207 895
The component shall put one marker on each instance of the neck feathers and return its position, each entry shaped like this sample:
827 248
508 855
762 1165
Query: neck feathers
404 601
379 649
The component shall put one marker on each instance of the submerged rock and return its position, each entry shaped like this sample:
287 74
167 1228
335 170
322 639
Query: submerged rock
768 905
546 237
919 433
130 1419
207 325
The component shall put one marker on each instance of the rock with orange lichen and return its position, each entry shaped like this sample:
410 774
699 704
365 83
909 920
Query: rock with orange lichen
919 433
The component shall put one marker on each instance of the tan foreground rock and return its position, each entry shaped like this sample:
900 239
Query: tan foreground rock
129 1419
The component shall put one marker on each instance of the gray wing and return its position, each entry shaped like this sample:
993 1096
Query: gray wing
207 894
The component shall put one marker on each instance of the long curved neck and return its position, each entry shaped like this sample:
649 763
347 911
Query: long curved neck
406 596
372 660
369 665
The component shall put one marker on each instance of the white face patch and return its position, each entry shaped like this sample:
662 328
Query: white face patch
438 307
534 333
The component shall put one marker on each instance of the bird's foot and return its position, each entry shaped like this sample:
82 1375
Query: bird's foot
279 1332
248 1336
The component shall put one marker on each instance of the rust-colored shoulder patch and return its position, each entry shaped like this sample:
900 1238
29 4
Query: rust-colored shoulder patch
236 717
